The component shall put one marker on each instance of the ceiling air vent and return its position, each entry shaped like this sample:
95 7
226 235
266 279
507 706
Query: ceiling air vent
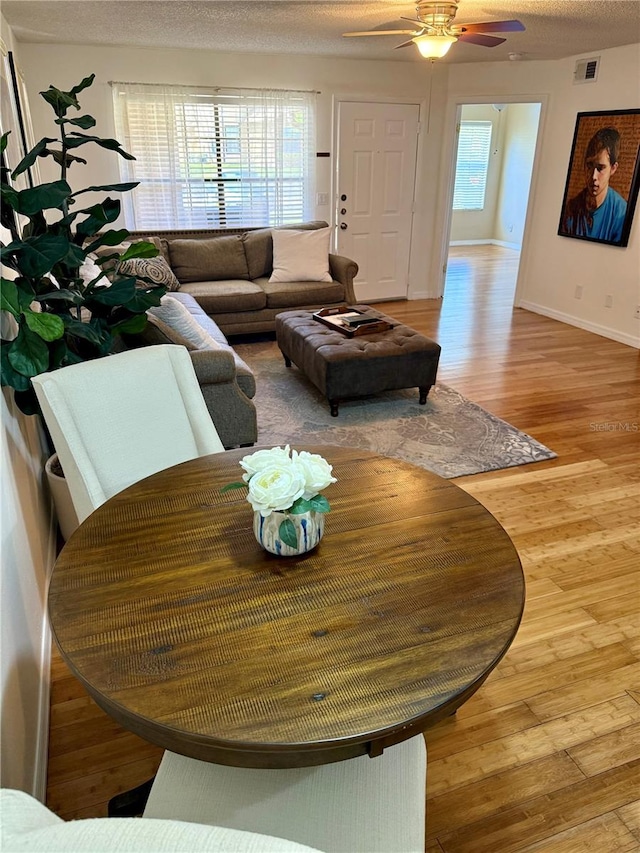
586 70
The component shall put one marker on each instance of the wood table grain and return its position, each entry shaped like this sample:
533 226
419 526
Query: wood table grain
188 634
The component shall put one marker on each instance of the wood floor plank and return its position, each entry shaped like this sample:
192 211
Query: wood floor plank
507 774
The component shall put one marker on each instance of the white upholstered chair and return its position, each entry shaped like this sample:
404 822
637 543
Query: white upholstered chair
116 420
29 826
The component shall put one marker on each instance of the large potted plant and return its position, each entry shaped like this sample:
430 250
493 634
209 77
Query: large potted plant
59 316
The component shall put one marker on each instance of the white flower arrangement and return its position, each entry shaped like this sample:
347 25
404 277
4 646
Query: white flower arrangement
284 480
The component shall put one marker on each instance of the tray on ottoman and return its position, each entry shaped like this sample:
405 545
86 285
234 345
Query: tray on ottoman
351 321
343 367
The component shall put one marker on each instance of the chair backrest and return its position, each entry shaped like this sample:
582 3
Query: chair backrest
118 419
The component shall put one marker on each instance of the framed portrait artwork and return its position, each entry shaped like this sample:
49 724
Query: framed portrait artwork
604 175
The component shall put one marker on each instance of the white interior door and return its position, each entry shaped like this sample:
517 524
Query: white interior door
377 145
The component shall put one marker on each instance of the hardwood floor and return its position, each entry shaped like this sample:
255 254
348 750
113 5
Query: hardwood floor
546 756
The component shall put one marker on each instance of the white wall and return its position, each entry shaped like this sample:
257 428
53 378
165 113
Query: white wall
520 134
551 266
27 543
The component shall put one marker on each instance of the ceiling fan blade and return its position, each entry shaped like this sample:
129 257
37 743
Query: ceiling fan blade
492 27
404 44
420 23
384 33
479 38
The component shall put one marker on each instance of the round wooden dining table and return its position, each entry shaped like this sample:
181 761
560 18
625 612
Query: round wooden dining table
187 633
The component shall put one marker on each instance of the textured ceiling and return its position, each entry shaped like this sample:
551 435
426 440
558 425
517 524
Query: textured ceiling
554 28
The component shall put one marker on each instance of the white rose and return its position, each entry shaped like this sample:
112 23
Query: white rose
275 488
262 459
315 470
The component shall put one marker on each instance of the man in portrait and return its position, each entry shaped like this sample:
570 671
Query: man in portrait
598 211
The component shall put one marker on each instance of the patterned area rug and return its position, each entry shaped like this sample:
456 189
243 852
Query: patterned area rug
450 435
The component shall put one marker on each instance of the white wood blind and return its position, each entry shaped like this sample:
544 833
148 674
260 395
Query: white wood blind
474 143
215 158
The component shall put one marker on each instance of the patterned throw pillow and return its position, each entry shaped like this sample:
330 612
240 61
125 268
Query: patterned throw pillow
157 269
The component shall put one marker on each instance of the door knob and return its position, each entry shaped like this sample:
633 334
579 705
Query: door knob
343 226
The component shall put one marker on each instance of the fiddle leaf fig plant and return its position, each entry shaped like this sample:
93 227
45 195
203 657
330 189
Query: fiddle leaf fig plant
62 316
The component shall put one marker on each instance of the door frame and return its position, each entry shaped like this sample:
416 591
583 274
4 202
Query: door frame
453 114
351 97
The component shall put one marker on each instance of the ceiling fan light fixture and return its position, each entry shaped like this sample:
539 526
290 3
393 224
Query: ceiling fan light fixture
434 46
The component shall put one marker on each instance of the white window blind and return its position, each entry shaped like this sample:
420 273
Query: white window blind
215 158
474 143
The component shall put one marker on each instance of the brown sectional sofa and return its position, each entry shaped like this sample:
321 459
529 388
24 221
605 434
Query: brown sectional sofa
227 272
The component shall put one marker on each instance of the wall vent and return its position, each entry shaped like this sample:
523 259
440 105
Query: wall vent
586 70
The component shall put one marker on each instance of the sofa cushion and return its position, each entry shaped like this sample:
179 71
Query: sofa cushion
258 249
156 269
298 294
301 255
215 259
222 296
174 314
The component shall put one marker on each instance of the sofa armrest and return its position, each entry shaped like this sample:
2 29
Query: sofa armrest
232 412
213 366
344 270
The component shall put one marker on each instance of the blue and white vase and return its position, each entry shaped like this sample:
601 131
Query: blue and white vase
309 529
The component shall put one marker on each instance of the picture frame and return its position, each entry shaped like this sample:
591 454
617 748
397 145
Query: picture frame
600 195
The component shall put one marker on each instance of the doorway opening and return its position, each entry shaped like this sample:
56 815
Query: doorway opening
492 179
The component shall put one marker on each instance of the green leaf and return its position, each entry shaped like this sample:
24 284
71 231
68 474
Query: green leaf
48 326
287 532
44 197
86 331
319 503
9 376
40 254
146 298
39 150
230 486
98 215
85 122
59 100
67 158
9 299
108 238
75 140
84 84
141 249
117 188
119 293
29 354
132 325
62 295
3 141
300 506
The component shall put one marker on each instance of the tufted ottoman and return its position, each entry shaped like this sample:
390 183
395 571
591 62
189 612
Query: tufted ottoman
342 367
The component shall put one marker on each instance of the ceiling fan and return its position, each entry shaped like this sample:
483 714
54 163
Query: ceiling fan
436 32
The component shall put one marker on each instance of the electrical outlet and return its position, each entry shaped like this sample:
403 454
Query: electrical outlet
637 314
608 301
578 291
322 199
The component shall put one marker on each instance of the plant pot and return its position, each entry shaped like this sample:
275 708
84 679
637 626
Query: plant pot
65 512
309 527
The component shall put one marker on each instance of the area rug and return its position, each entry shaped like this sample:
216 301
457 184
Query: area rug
449 435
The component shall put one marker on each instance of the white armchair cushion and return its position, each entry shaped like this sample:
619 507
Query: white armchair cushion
29 826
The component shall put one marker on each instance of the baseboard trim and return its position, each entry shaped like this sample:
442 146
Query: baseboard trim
502 243
44 701
596 328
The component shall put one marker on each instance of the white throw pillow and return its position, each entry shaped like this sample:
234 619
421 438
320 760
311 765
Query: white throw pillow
301 255
90 270
174 314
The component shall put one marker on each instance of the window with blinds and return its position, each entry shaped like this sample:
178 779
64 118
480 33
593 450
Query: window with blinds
214 158
474 145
